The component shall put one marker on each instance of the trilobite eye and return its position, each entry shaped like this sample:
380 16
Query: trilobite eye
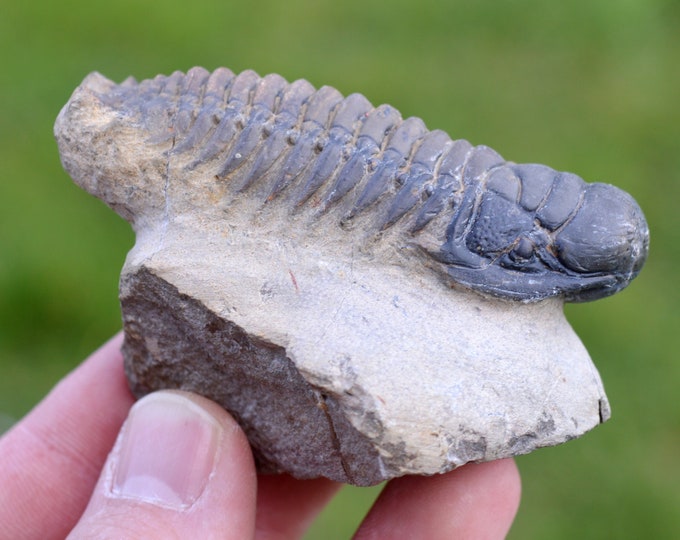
523 250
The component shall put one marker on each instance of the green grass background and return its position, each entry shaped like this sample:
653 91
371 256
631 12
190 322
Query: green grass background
589 86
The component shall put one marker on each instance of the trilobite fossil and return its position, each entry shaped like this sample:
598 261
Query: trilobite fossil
514 231
294 258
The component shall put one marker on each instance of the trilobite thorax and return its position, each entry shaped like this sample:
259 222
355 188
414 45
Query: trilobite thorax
285 151
293 145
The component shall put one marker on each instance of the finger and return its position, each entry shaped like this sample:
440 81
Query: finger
286 506
476 501
181 468
52 458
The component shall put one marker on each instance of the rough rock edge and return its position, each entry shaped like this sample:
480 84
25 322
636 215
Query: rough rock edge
326 443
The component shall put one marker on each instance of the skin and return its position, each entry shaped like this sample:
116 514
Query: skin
53 485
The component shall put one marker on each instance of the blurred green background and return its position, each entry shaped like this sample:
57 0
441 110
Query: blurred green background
589 86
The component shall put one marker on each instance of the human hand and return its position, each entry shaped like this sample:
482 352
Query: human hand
181 468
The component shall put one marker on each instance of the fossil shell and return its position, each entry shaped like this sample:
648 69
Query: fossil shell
314 263
523 232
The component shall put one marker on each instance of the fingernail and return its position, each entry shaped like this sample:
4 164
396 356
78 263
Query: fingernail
166 451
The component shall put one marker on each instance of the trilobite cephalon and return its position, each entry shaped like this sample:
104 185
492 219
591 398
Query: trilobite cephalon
517 231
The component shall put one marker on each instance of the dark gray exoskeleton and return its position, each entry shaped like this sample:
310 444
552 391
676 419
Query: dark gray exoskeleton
520 232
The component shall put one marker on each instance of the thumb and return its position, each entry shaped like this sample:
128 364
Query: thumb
181 468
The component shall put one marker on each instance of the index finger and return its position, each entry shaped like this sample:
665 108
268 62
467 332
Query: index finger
474 501
52 458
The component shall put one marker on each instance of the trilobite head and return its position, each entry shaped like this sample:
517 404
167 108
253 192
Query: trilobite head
528 232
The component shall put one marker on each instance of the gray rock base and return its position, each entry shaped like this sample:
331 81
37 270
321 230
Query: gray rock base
510 379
